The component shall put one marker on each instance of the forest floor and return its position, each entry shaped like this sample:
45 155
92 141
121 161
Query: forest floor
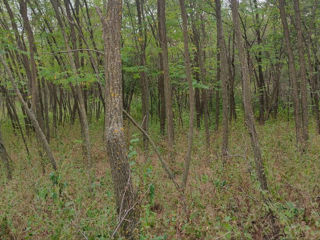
223 201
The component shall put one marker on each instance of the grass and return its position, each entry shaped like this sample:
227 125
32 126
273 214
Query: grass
223 200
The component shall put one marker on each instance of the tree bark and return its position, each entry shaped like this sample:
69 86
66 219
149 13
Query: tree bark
35 100
114 131
5 158
292 74
303 74
77 88
261 83
31 115
143 77
247 97
191 92
225 77
167 84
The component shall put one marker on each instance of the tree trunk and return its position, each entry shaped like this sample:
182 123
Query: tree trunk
114 131
292 75
162 102
261 84
74 63
217 90
202 60
225 77
5 158
143 77
191 92
303 74
35 100
167 84
35 124
247 97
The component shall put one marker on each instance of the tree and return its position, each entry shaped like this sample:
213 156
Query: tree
261 84
165 64
246 95
191 92
225 77
114 132
41 137
292 74
142 58
303 74
5 158
77 89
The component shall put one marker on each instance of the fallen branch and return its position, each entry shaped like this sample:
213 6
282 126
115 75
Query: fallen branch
163 163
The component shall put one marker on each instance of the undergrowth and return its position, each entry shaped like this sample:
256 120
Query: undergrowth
223 201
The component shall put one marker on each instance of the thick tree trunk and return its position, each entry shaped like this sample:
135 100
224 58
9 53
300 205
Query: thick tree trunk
114 131
247 97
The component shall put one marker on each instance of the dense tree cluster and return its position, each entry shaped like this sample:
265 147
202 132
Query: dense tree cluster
157 60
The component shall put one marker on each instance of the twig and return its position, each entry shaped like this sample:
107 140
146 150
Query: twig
222 236
126 213
124 193
85 237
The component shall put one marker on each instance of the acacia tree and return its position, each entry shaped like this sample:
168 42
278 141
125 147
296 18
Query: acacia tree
114 132
246 95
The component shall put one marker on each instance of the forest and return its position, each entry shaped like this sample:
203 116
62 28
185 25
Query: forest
159 119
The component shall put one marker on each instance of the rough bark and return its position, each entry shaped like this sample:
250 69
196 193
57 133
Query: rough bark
114 131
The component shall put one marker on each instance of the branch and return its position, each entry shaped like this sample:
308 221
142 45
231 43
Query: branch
78 50
163 163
